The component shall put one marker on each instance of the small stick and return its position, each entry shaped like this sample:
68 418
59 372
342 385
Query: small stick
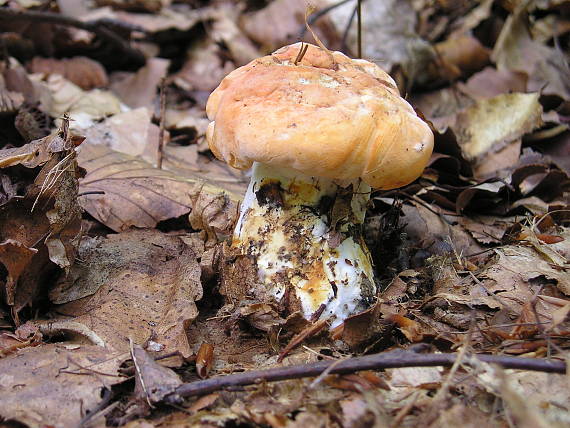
386 360
162 122
359 23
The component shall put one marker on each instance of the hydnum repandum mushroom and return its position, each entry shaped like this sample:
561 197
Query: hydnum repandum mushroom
319 132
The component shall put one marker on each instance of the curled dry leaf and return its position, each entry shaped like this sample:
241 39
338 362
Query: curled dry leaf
204 360
15 257
458 56
82 71
411 329
138 284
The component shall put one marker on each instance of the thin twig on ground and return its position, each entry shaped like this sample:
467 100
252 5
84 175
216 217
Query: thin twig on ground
161 123
386 360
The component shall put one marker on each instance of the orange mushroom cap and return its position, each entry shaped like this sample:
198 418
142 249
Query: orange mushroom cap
326 116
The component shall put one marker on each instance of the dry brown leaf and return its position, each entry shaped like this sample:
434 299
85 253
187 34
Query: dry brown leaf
152 380
414 376
64 382
493 123
204 68
411 329
388 33
298 339
279 23
30 155
364 328
460 55
136 194
509 278
225 30
15 257
490 82
515 50
141 88
84 72
204 402
261 316
140 285
131 132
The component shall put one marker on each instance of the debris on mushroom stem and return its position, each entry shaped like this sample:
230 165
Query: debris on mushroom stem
320 129
305 233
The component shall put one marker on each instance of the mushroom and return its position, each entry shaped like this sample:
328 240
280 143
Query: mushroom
320 131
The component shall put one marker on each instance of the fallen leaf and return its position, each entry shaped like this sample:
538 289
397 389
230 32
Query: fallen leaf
493 123
204 360
82 71
490 82
298 339
131 132
141 88
135 193
44 224
515 50
388 33
138 285
152 380
204 68
411 329
279 23
460 55
61 386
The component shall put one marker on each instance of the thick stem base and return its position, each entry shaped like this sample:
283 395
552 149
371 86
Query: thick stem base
305 235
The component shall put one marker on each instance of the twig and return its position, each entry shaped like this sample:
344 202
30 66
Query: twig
98 409
318 14
359 27
132 55
344 44
162 123
91 192
386 360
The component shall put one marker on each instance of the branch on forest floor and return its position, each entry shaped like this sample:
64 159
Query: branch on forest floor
393 359
98 27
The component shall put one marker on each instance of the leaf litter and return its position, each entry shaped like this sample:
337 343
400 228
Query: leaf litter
117 284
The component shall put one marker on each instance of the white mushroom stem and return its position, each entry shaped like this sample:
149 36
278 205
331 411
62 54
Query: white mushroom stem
305 235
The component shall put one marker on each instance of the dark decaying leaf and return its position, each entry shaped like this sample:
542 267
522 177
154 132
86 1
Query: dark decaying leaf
44 225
